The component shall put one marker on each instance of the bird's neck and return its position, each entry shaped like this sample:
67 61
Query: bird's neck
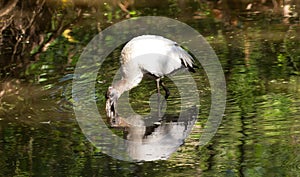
129 80
122 86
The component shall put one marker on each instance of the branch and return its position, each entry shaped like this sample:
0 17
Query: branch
9 7
44 46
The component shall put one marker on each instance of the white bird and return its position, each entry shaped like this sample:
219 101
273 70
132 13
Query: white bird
146 54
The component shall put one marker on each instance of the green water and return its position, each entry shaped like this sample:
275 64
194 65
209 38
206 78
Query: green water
258 49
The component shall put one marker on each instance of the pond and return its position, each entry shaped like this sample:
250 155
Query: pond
257 45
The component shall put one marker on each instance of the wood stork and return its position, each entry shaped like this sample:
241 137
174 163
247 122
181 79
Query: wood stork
146 54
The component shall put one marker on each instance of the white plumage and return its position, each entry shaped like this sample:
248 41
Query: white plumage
147 54
154 54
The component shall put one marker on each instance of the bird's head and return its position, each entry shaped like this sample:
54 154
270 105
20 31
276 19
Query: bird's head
112 96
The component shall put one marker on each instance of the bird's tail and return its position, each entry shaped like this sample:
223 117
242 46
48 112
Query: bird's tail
186 59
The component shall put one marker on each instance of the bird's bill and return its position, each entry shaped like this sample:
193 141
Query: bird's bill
110 108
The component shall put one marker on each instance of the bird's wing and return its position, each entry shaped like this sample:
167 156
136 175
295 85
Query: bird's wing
156 55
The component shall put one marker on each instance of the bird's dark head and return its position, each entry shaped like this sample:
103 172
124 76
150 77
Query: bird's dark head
112 96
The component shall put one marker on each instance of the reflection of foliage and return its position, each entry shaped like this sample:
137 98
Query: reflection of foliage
244 85
291 44
42 149
275 105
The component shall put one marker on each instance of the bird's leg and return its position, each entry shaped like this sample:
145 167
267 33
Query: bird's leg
158 81
158 96
167 94
165 89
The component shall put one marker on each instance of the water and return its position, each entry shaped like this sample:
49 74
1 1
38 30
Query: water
259 52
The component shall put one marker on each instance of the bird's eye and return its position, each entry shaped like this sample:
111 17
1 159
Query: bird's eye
109 95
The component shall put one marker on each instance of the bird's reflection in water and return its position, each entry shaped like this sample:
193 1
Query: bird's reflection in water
149 140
